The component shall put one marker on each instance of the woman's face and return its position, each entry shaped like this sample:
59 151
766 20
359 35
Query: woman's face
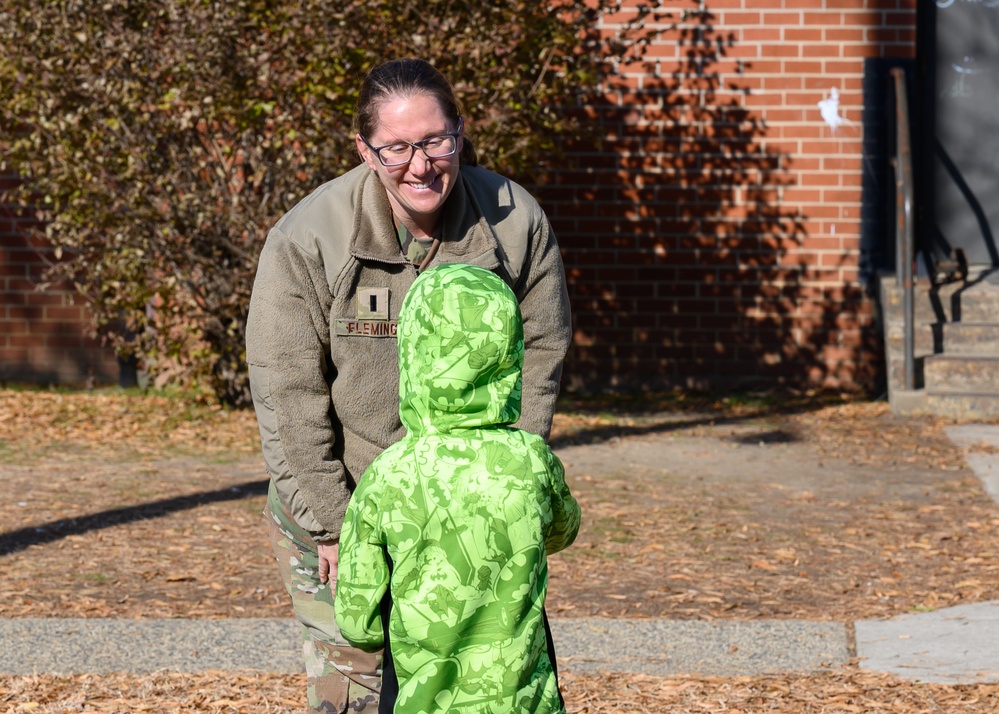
416 190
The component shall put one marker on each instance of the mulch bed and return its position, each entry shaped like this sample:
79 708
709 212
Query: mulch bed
126 505
824 693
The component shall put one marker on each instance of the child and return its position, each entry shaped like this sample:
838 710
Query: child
455 522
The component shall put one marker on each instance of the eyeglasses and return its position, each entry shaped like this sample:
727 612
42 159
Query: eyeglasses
402 152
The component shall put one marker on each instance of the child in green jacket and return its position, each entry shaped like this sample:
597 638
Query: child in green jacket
455 522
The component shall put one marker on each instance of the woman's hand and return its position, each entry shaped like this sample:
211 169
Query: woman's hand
329 554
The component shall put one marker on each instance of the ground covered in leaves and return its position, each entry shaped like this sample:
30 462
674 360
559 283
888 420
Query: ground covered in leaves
824 693
138 505
841 513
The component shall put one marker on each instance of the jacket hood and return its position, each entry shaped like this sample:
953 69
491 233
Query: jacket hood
461 351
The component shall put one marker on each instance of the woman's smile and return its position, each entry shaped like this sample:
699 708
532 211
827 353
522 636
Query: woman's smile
423 186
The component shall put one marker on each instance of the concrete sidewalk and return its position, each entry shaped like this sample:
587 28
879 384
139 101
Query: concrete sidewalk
659 647
954 645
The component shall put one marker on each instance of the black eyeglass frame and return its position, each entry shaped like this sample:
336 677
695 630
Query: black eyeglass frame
413 146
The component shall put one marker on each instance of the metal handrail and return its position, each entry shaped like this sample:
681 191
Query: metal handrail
905 248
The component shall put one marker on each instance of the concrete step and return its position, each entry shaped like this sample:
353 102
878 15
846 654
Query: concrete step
977 407
963 374
972 300
978 304
956 347
955 338
970 338
929 305
950 405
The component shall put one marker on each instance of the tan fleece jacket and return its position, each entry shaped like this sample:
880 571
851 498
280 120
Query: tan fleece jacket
330 281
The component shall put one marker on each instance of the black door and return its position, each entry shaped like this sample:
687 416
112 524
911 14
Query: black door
958 57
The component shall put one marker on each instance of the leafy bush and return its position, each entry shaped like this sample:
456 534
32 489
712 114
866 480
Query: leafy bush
158 140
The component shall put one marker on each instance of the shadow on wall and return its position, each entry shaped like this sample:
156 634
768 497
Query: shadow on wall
35 347
78 368
703 279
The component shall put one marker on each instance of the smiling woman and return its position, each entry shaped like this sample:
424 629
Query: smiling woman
321 332
417 183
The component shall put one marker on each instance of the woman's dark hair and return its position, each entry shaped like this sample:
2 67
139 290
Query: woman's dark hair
403 77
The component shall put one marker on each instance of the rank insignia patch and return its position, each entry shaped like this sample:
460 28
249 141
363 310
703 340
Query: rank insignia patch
372 303
372 316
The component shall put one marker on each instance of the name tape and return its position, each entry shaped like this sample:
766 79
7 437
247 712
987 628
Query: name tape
365 328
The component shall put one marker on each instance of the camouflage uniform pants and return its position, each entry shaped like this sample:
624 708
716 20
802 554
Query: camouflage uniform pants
341 678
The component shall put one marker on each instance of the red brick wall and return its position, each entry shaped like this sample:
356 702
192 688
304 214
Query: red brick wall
42 332
723 245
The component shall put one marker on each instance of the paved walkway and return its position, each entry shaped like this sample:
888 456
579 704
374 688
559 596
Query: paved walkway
272 645
954 645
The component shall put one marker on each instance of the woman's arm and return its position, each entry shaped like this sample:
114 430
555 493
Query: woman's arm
544 306
287 348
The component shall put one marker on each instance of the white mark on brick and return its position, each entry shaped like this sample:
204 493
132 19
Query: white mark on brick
829 108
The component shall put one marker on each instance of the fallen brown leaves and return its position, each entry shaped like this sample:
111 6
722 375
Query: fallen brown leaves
130 505
825 693
124 505
128 424
150 507
163 693
856 515
838 693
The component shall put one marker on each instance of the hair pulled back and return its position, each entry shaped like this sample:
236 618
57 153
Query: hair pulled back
404 77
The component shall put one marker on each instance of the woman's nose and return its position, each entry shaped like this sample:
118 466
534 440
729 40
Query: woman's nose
420 162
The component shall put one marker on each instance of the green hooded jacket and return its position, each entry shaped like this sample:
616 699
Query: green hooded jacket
457 519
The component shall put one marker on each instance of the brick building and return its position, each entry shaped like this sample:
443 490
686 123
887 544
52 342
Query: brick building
43 335
724 232
729 229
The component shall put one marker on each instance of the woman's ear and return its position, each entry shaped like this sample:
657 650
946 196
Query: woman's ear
366 153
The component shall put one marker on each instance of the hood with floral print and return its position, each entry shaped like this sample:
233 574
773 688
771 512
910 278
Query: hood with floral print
461 351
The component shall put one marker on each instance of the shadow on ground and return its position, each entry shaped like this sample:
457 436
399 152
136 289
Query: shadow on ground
22 538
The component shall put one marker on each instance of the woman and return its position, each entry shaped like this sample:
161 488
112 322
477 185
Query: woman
321 330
